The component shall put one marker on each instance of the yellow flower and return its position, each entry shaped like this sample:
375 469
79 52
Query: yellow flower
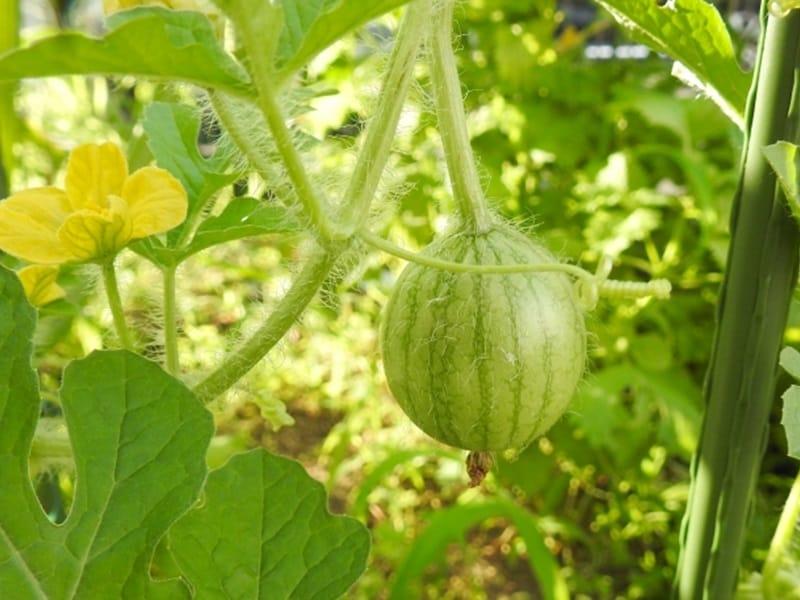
39 282
100 211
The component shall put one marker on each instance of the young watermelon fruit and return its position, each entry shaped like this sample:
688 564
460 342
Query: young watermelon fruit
484 362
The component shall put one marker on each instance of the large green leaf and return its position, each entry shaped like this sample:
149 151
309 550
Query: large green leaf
289 34
693 33
263 531
148 41
138 437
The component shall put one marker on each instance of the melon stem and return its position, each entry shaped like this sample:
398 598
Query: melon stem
453 124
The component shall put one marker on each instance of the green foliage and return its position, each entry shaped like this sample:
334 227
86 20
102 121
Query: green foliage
263 531
139 440
451 524
172 136
692 33
172 133
310 27
137 43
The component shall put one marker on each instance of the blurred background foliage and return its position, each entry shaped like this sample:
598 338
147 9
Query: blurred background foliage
582 138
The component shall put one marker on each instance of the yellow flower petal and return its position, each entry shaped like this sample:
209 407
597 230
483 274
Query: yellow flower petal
91 235
95 172
39 282
29 221
157 201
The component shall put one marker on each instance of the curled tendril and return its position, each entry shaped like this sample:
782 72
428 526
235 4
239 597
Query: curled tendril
592 287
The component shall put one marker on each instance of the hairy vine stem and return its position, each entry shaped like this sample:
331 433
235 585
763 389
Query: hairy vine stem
315 206
171 361
377 145
453 123
288 310
260 54
115 304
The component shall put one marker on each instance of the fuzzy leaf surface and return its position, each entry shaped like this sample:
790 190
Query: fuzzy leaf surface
148 41
692 33
263 531
139 439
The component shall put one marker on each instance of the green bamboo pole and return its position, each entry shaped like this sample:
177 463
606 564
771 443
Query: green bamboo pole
754 300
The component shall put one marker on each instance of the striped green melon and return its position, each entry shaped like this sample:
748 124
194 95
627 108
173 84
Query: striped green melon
484 361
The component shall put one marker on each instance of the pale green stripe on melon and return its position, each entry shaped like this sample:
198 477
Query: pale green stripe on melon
516 381
486 383
441 349
528 397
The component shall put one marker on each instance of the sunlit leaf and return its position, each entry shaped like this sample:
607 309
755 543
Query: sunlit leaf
258 24
263 531
149 41
694 35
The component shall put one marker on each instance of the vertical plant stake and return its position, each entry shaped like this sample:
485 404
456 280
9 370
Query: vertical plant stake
754 300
